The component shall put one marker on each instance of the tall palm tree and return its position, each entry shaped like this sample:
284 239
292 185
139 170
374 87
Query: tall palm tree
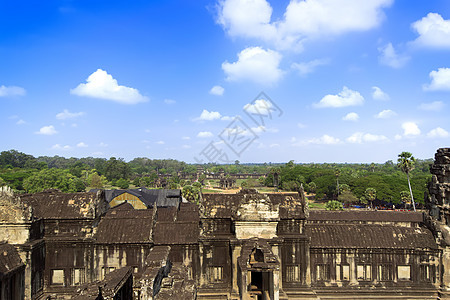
406 163
337 173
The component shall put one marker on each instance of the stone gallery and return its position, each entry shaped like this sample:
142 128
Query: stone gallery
247 245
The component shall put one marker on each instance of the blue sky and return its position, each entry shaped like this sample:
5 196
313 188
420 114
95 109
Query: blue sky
343 80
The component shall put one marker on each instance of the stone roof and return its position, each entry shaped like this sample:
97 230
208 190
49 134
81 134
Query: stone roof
162 197
366 216
369 236
109 286
176 233
9 259
53 204
227 205
122 225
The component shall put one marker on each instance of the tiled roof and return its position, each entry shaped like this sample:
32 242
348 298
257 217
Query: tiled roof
9 259
369 236
368 216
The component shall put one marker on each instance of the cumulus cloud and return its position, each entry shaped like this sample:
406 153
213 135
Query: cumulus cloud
360 137
160 142
209 115
102 85
82 145
302 19
255 64
9 91
60 147
345 98
323 140
378 94
204 134
21 122
440 80
47 130
433 30
410 129
390 57
438 133
385 114
301 125
259 107
169 101
217 90
186 138
432 106
66 114
351 117
305 68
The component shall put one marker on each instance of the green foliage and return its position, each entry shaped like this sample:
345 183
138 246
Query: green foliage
405 196
122 183
190 193
97 181
249 183
346 196
334 205
117 169
53 179
197 185
16 159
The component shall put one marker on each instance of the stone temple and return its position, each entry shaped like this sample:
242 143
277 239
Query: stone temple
247 245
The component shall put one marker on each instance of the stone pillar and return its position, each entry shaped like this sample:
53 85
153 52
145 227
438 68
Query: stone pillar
236 250
445 284
276 284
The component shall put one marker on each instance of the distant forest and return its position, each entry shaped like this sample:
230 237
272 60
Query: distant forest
357 182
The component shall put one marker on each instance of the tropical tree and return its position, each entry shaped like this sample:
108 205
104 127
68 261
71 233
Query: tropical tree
337 174
406 163
370 194
190 193
405 196
334 205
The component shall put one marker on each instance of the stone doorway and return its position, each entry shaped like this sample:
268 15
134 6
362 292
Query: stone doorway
261 285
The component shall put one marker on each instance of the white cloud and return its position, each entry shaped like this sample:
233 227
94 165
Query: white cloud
82 145
389 57
217 90
397 137
169 101
432 106
66 114
351 117
186 147
323 140
102 144
259 107
440 80
255 64
59 147
385 114
438 133
274 145
433 30
47 130
160 142
302 19
378 94
308 67
204 134
208 116
186 138
21 122
102 85
360 137
8 91
410 129
301 125
345 98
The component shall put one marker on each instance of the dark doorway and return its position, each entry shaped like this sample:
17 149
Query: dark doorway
261 285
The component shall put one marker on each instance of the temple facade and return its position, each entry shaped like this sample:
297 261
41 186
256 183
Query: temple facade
247 245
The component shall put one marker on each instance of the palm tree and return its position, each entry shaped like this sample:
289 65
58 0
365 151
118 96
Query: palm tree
406 163
337 173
